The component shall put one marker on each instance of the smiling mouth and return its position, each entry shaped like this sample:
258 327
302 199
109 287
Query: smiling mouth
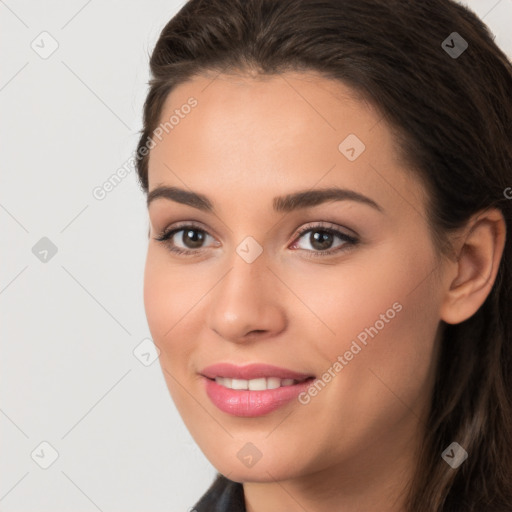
259 384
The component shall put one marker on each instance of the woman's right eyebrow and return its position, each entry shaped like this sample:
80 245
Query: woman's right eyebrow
179 195
286 203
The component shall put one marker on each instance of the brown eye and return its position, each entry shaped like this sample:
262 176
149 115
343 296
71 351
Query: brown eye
190 242
321 240
192 238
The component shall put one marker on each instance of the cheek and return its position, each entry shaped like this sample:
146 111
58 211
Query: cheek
176 302
170 290
171 297
157 299
170 293
384 318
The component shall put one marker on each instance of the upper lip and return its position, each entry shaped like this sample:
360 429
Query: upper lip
251 371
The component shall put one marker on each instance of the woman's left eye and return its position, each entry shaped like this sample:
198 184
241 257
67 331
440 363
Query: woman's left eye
321 238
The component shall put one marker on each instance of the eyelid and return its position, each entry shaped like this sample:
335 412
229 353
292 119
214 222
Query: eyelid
348 239
182 225
298 232
328 226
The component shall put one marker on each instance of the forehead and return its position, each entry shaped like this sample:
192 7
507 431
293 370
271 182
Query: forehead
294 104
273 133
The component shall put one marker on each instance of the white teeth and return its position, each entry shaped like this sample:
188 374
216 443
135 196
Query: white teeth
260 384
273 382
239 384
224 381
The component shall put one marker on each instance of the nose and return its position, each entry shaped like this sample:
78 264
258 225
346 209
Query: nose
247 303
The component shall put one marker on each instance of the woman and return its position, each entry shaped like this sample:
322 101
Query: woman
328 272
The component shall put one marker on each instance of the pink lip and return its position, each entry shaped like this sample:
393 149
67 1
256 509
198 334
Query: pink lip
250 371
248 403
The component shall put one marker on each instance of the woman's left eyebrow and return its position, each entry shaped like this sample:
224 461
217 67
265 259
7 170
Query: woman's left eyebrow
315 197
286 203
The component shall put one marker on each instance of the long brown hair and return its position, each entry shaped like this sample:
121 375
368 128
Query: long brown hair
452 117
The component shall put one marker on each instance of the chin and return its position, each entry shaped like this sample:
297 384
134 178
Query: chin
265 469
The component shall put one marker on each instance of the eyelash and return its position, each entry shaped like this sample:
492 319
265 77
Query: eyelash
166 235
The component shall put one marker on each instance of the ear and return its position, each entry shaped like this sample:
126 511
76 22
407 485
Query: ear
470 278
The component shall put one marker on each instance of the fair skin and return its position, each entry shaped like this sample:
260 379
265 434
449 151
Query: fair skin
354 446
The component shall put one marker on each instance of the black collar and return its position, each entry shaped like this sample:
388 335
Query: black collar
222 496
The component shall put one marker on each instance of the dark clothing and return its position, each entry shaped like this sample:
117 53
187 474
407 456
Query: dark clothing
222 496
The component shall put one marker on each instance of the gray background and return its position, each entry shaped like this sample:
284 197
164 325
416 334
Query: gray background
71 320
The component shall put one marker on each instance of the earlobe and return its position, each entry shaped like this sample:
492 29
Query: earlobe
476 266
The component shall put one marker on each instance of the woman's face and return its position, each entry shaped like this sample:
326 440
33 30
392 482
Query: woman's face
342 289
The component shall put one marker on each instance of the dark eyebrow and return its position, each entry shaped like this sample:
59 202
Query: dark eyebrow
287 203
308 198
179 195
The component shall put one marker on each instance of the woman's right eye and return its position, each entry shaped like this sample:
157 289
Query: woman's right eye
191 238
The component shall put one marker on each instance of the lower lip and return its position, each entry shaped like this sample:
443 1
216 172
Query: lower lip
248 403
